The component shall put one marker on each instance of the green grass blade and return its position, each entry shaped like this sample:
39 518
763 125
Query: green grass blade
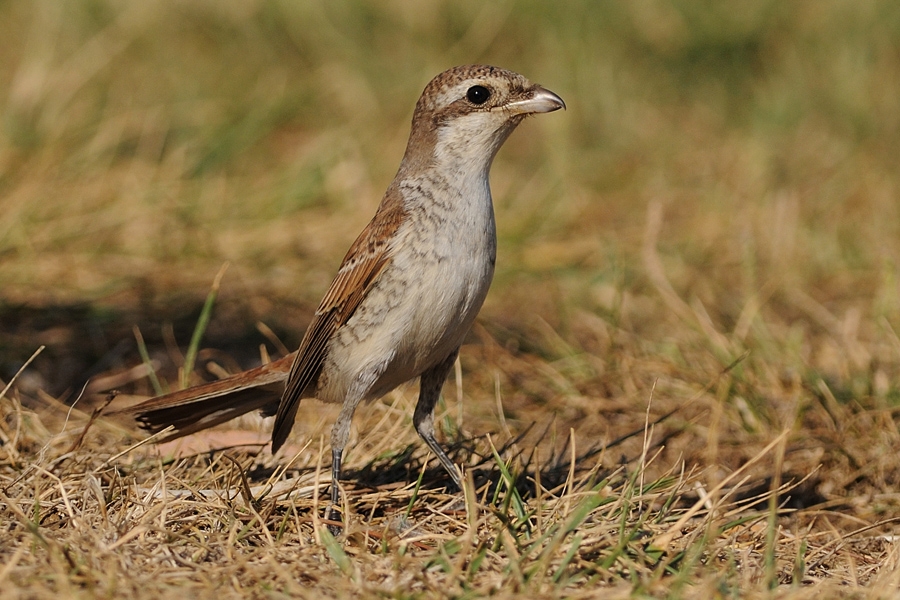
200 328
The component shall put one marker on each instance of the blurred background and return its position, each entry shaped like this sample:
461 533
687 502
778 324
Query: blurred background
725 180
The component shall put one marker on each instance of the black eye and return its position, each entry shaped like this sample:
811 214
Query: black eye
478 94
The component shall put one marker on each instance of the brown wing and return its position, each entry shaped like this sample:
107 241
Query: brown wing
365 260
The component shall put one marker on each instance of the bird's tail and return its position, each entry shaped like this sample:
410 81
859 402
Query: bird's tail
210 404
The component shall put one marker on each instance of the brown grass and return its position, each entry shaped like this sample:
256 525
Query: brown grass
94 517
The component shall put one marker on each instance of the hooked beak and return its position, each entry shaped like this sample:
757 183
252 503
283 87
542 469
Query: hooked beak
537 100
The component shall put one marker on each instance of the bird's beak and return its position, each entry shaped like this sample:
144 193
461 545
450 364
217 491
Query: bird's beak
537 100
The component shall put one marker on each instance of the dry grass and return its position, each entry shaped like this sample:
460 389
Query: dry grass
689 362
90 516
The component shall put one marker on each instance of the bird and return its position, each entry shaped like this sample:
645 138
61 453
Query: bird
408 289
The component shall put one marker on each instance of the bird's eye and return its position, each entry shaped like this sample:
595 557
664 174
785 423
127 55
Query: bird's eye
478 94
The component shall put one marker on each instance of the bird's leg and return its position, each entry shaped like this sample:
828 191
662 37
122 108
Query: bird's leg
430 386
333 514
339 435
336 454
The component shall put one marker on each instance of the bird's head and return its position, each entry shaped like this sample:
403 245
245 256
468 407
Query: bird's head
466 113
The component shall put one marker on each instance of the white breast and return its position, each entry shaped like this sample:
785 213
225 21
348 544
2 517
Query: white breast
424 302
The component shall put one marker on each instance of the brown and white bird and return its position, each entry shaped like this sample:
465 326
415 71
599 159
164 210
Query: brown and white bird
408 289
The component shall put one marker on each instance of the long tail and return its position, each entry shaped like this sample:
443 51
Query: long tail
210 404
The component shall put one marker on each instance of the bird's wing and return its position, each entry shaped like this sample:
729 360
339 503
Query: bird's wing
365 260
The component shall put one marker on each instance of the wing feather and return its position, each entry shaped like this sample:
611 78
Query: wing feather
364 262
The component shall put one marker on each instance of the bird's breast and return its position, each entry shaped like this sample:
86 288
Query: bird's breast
424 302
446 264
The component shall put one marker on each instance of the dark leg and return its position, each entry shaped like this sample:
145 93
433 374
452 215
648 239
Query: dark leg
339 434
431 383
335 475
333 514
